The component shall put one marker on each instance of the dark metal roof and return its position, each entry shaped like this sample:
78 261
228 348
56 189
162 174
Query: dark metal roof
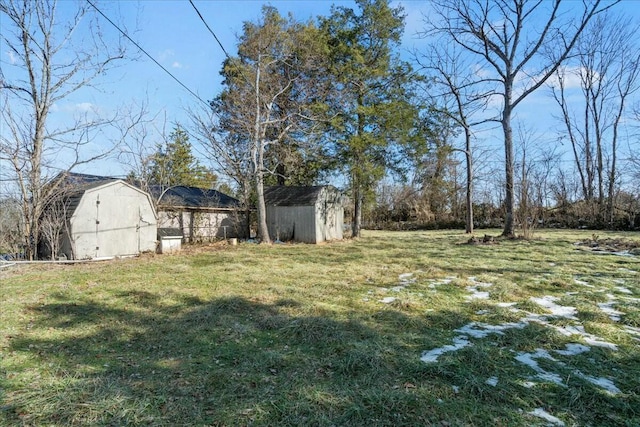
83 181
292 196
169 232
72 187
192 197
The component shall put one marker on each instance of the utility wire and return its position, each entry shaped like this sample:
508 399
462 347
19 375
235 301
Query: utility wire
209 28
147 54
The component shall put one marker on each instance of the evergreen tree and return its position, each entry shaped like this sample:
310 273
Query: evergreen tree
373 99
175 164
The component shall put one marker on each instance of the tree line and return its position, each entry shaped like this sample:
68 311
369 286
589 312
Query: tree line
335 99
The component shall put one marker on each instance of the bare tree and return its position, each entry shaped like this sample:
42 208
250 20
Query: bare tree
229 153
463 99
519 45
269 95
50 61
607 65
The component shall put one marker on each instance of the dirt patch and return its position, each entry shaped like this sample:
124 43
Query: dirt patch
597 244
485 240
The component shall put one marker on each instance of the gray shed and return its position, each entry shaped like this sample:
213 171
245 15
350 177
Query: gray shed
201 214
304 214
106 217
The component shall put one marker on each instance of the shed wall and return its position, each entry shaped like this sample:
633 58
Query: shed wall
292 223
200 226
113 220
329 215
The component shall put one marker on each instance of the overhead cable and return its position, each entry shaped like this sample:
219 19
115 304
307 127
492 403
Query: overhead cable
147 54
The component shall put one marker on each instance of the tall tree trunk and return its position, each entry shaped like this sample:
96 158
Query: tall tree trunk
509 225
469 192
357 210
358 176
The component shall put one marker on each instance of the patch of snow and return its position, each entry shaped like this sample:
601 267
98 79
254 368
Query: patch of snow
619 281
387 300
603 383
607 308
590 339
626 270
595 342
573 349
583 283
477 294
483 312
623 290
492 381
432 355
405 276
506 304
528 384
541 413
632 330
456 389
529 359
548 302
481 330
398 288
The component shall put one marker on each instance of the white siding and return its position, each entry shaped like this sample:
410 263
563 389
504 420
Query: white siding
115 219
329 216
202 225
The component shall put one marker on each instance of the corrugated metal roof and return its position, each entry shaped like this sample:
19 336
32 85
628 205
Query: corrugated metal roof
73 187
292 196
169 232
192 197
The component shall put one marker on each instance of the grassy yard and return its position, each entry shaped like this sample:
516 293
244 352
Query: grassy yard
412 328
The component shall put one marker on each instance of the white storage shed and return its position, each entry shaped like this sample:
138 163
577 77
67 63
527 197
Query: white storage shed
304 214
105 218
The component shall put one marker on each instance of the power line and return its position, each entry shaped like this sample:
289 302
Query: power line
147 54
209 28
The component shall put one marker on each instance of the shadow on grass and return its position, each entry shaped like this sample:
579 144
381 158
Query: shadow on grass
236 361
230 361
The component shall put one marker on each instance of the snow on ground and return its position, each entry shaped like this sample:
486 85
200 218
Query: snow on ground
492 381
458 343
603 383
541 413
607 308
479 330
474 289
583 283
530 359
573 349
548 302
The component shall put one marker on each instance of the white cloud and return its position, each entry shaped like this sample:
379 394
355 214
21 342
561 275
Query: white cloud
84 107
12 58
571 77
176 64
166 54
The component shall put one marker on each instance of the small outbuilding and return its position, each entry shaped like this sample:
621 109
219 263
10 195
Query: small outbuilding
200 214
304 214
100 217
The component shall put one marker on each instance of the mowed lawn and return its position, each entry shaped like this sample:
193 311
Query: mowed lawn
406 328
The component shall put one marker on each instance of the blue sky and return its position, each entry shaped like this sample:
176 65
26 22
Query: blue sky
172 32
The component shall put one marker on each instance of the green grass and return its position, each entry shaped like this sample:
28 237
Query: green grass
297 335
